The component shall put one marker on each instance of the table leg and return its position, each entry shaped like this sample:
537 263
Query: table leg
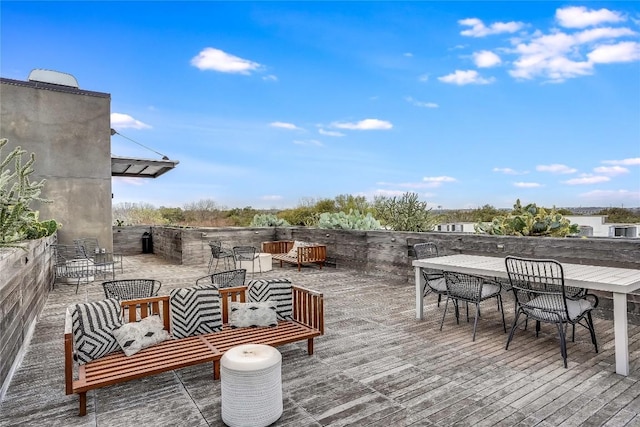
419 296
621 335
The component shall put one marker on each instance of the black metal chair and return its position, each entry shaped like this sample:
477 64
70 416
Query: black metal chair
246 254
434 279
541 294
224 279
72 264
218 253
127 289
104 262
471 289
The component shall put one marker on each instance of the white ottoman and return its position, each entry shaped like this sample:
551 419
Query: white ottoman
251 385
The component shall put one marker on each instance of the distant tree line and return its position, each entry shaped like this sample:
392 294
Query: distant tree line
401 213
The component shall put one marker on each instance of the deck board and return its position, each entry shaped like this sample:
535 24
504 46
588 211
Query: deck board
376 365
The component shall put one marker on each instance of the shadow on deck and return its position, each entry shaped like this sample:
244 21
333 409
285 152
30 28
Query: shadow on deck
375 366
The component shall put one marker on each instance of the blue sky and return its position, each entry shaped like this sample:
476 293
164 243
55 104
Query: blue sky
266 104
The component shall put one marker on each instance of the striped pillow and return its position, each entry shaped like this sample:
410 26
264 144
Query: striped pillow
92 326
278 290
195 311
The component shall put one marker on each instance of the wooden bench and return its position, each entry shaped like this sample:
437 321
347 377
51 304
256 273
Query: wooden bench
314 254
114 368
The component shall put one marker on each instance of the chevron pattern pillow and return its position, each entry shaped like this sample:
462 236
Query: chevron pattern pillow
278 290
195 311
92 326
134 336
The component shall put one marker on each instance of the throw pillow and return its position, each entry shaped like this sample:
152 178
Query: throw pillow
92 325
134 336
293 252
252 314
278 290
195 311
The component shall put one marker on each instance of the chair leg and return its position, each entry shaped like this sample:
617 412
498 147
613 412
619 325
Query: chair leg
513 329
592 331
537 328
475 323
501 304
563 342
439 298
444 313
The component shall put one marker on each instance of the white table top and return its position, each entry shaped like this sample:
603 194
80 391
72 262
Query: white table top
612 279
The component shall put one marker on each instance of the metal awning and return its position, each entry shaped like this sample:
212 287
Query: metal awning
140 168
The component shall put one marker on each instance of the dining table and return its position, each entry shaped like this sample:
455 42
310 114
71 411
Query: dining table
619 281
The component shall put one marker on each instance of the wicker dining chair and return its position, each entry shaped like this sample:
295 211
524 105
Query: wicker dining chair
219 253
471 289
541 295
224 279
246 254
127 289
434 279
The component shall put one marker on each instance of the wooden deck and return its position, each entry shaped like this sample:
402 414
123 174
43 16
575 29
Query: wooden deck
375 366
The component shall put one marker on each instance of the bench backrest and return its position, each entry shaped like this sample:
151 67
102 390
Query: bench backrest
279 247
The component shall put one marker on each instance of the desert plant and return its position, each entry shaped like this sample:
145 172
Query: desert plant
18 220
529 220
354 220
268 220
405 214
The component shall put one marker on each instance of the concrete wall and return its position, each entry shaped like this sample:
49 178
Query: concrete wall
25 280
69 132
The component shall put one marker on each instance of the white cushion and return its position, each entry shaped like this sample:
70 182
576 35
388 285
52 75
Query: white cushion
134 336
438 284
489 289
252 314
293 252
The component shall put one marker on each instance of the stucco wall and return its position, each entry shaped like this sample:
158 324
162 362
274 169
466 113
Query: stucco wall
69 132
25 279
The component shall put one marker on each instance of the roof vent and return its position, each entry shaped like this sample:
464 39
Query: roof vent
53 77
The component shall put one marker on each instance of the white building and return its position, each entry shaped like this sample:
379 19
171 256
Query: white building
595 226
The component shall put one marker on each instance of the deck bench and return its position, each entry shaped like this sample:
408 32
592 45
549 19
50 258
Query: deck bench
307 254
306 324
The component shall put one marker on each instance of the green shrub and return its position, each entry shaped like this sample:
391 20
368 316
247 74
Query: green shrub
405 214
268 220
354 220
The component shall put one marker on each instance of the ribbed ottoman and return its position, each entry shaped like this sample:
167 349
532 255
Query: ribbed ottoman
251 384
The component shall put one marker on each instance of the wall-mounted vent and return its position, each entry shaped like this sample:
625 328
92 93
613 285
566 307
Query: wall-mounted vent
53 77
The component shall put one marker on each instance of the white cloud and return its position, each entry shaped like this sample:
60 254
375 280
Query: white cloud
486 59
527 184
388 193
271 197
604 33
420 103
580 17
313 142
410 185
508 171
330 132
284 125
587 179
408 54
436 181
366 124
619 52
210 58
423 78
632 197
270 78
478 29
635 161
556 168
124 121
611 170
461 78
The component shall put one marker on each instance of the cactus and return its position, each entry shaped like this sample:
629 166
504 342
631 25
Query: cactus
268 220
529 220
354 220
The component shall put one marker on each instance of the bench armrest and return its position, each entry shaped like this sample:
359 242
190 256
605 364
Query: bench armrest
312 253
308 307
278 247
68 353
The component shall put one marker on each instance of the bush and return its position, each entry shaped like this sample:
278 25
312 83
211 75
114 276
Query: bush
268 220
354 220
405 214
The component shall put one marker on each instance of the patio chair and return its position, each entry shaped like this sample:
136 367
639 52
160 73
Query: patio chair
471 289
541 294
434 279
218 253
104 262
246 254
224 279
71 264
127 289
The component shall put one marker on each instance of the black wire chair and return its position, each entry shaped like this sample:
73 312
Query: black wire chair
224 279
72 264
433 279
218 253
127 289
471 289
541 294
246 254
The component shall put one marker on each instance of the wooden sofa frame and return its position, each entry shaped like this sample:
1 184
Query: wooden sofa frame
315 254
114 368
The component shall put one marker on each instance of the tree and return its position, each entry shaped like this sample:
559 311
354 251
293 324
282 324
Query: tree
404 214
